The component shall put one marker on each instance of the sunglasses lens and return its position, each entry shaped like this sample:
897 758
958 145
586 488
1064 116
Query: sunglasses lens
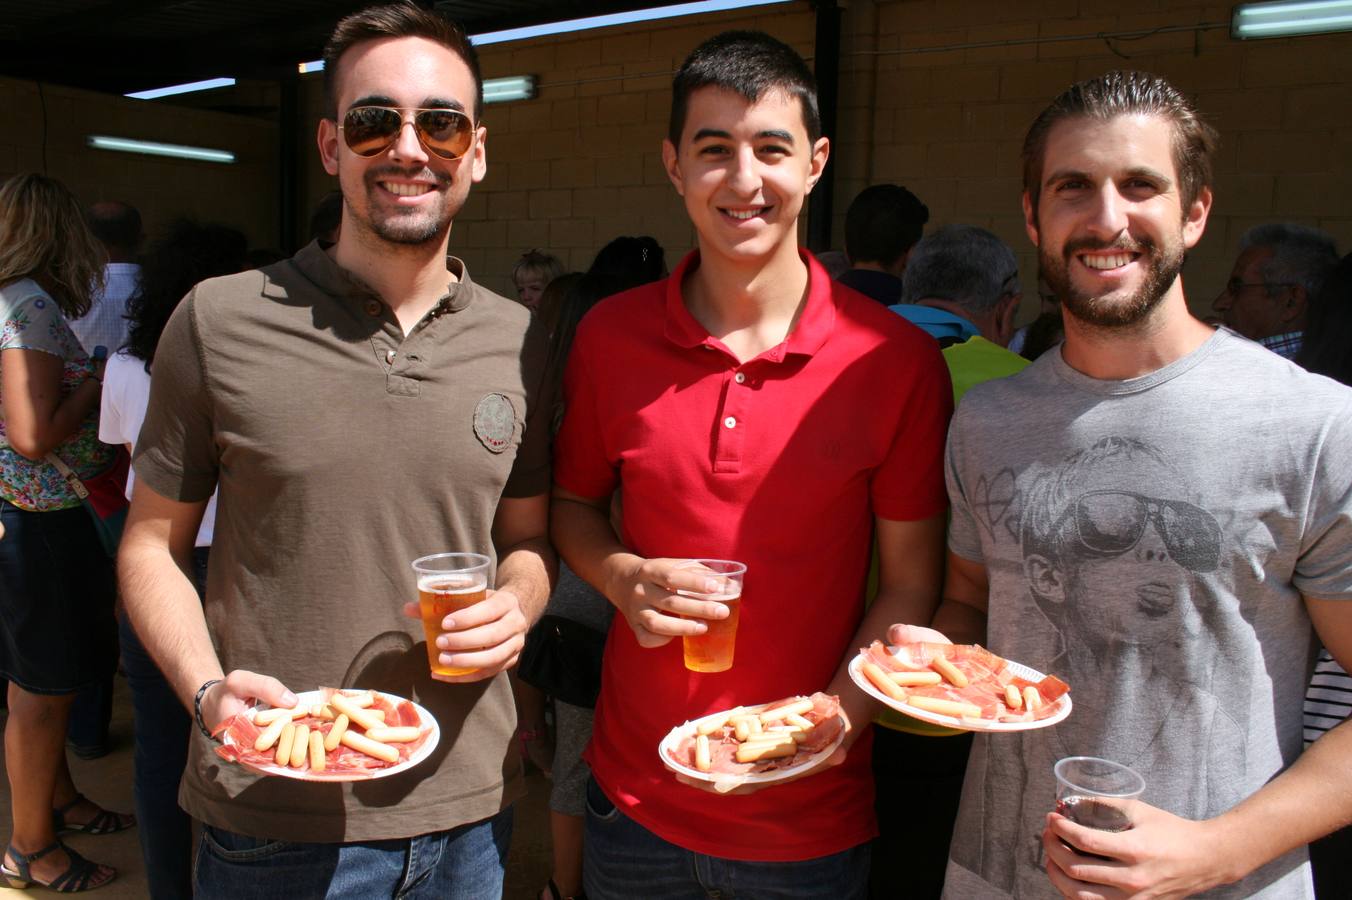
445 132
1191 535
370 129
1110 522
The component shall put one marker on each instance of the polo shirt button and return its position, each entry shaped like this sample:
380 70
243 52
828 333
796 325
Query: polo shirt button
730 422
373 307
741 378
389 356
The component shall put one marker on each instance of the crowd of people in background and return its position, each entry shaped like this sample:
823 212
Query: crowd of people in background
1153 504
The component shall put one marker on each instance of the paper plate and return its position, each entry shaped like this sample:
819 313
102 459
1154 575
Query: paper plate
425 720
1060 709
729 781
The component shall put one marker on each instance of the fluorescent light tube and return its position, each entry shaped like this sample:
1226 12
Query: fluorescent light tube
190 87
500 90
1288 18
151 148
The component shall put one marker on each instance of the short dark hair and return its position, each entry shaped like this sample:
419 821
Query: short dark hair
1326 347
397 20
752 64
1121 93
882 223
115 224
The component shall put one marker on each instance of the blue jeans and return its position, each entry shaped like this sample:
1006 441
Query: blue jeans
624 860
465 863
160 742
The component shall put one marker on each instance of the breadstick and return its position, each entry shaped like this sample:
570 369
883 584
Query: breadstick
283 754
702 761
1031 698
317 757
335 735
369 747
794 708
1013 699
268 736
944 666
915 679
880 680
757 750
358 714
800 722
945 707
709 726
266 717
400 734
300 745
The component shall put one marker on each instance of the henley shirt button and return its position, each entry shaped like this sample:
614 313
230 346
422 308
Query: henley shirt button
740 378
730 422
373 307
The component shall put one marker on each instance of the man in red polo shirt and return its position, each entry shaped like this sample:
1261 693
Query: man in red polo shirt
746 408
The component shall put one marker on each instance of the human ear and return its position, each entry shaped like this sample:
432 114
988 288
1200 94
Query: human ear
1194 218
821 152
1030 219
327 139
672 164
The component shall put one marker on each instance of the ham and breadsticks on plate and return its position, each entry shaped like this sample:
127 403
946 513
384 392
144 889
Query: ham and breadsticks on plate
331 735
759 744
963 686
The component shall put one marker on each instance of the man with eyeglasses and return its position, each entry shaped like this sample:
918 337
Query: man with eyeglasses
359 405
1279 270
1157 512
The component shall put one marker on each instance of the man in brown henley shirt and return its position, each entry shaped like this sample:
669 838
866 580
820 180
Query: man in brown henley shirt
358 406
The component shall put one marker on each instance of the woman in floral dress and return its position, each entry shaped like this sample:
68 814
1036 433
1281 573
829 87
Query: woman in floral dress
57 633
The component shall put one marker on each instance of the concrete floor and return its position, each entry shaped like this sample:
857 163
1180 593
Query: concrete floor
108 782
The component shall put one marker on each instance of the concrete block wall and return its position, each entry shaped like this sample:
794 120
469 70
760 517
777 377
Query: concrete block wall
937 94
45 128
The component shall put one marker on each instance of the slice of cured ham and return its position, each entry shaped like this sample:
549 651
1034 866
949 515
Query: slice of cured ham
987 676
723 743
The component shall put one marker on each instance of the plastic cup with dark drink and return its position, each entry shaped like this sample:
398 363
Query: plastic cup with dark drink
1097 793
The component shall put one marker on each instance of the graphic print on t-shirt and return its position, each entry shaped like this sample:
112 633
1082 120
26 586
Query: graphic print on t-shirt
1115 555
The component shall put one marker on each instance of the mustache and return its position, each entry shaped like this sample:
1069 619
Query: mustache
1123 243
375 174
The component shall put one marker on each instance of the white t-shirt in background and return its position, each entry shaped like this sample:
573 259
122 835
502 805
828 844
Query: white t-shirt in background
126 392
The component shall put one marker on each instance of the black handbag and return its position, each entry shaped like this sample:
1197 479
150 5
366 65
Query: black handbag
563 658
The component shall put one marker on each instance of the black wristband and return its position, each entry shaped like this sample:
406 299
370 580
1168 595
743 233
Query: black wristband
197 707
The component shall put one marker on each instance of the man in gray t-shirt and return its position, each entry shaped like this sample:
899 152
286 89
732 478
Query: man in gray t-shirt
1155 513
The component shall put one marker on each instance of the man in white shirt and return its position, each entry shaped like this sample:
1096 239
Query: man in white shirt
118 228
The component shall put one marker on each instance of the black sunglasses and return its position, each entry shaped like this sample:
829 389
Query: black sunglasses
1109 523
371 130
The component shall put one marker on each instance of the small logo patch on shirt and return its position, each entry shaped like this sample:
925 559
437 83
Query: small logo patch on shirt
495 422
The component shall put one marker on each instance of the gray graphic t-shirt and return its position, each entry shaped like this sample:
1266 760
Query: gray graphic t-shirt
1149 541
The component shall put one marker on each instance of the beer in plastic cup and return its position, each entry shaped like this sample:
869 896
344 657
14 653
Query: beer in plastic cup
713 650
1097 793
448 582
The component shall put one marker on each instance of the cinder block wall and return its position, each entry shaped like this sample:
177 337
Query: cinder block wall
937 94
47 128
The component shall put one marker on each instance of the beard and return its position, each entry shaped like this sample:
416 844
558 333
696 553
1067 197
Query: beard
1163 263
410 227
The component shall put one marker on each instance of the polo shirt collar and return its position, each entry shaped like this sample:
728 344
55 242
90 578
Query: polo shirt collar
809 333
318 266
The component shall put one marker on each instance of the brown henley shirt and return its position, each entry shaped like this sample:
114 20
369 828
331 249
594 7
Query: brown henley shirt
343 450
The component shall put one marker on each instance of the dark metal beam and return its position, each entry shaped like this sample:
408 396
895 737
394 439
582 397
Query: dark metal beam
827 71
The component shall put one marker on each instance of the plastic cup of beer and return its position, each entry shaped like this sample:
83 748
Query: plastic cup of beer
448 582
1097 793
713 650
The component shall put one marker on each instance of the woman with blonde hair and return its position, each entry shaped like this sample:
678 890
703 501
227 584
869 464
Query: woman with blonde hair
57 632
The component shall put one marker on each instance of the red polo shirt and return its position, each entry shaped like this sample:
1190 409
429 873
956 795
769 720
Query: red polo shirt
780 462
